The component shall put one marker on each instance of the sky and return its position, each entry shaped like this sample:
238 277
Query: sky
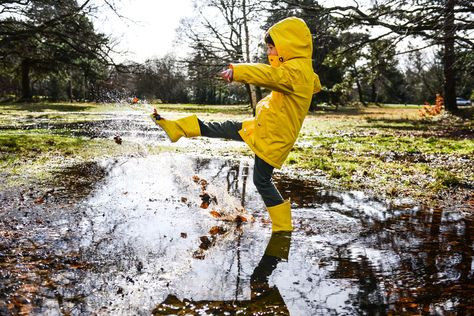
148 28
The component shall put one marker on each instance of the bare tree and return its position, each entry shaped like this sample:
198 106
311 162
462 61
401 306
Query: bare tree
221 31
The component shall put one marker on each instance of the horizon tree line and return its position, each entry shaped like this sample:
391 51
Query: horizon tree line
50 50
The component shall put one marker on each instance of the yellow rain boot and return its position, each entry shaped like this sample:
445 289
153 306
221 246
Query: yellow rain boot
279 245
281 217
175 129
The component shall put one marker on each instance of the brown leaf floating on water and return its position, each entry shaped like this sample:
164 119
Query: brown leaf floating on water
118 139
215 213
205 242
215 230
39 200
240 219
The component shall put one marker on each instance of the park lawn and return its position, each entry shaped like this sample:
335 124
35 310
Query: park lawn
389 151
17 114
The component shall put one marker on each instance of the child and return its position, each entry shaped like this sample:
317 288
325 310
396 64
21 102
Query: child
272 133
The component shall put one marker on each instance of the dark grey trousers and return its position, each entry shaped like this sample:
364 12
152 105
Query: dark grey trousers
262 171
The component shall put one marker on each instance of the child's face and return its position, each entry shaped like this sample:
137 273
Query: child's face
271 50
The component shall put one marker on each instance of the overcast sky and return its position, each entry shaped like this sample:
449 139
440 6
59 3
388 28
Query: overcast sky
148 29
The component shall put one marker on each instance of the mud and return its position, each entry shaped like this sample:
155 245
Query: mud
130 237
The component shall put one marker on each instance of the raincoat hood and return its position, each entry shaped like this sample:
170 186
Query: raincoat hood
292 39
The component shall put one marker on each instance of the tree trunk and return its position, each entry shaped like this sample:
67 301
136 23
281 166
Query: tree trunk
84 88
449 58
25 80
251 92
359 87
250 89
258 93
373 92
361 93
69 90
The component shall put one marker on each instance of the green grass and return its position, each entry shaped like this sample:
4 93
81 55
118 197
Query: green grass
61 107
211 109
33 155
391 153
389 150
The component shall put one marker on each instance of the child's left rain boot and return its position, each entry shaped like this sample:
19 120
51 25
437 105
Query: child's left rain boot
281 217
175 129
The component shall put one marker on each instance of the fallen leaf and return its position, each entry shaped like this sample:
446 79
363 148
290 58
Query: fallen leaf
118 140
406 299
205 197
204 205
76 266
198 255
184 199
184 235
205 242
203 184
240 219
216 230
215 213
266 221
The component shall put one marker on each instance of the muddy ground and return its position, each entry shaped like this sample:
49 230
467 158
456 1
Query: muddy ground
130 235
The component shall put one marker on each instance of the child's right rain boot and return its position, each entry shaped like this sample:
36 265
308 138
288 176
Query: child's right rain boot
279 245
281 217
175 129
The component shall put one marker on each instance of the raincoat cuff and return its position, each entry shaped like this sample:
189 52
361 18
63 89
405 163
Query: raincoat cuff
236 75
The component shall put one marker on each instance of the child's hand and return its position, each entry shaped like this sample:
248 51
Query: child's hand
155 115
227 75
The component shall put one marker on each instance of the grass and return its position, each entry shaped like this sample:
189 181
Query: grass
391 152
387 150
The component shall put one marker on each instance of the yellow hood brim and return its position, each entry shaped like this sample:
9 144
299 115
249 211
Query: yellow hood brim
292 38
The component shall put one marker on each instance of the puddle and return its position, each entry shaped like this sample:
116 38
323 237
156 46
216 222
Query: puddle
129 126
139 243
126 124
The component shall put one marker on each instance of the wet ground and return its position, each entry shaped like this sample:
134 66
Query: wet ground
130 237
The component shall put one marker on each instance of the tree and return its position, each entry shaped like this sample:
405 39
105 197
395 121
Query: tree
385 80
446 24
424 77
220 34
464 69
50 37
162 79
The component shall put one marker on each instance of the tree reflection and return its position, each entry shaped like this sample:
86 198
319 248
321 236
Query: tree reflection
428 272
264 299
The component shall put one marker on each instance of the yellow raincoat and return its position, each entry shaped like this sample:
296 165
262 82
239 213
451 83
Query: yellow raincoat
272 133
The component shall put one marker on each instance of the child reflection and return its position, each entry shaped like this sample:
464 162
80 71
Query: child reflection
264 299
262 295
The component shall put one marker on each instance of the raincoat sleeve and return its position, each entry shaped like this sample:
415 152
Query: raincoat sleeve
273 78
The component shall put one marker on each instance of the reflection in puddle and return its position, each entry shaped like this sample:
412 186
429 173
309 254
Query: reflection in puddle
265 299
141 243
